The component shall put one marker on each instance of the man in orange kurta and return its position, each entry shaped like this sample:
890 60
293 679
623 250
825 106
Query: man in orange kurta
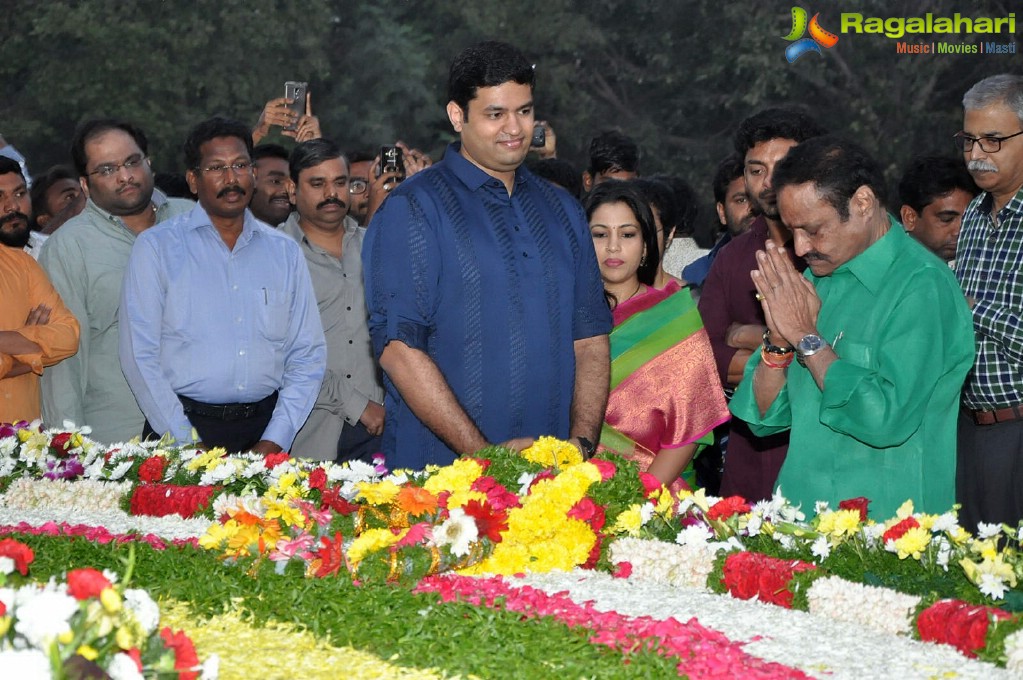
36 329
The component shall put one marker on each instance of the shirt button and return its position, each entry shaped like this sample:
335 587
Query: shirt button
238 320
525 254
348 308
234 287
349 342
241 387
516 227
348 375
241 352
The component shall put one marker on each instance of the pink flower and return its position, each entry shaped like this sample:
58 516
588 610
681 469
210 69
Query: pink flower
623 570
607 468
296 547
417 533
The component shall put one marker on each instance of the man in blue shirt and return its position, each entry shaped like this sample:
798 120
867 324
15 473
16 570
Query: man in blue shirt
219 328
486 304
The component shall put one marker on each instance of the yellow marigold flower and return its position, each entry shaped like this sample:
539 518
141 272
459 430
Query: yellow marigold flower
457 476
208 460
88 652
215 536
378 493
111 600
913 542
459 498
629 522
370 542
5 625
839 523
552 452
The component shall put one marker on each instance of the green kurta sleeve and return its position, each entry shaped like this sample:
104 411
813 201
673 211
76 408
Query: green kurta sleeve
744 404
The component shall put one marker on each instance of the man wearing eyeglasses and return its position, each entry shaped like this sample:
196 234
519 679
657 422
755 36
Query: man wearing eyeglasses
219 327
85 259
989 474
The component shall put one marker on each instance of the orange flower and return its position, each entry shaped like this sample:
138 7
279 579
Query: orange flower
416 500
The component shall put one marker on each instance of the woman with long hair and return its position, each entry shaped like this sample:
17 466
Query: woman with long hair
666 397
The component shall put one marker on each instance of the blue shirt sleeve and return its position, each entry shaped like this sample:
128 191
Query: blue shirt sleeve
592 316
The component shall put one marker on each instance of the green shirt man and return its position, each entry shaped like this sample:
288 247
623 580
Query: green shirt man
883 334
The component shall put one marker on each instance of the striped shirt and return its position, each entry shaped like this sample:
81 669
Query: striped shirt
989 266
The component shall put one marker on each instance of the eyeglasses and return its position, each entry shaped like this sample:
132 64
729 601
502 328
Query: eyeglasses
111 169
965 142
239 167
357 186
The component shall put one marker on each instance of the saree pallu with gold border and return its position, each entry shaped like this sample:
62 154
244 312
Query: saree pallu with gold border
665 390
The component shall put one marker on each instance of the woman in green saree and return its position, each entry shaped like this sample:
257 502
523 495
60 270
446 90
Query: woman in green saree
666 397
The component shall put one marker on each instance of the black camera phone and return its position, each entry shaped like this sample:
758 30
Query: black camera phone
539 136
391 161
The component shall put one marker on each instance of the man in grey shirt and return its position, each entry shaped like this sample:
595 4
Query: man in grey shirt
348 416
85 259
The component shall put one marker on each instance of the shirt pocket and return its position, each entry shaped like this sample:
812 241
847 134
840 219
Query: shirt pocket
856 353
274 314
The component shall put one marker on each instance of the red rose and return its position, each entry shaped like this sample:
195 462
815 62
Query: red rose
152 470
898 530
85 583
318 479
272 460
607 468
651 484
623 570
727 507
859 503
19 552
60 443
185 657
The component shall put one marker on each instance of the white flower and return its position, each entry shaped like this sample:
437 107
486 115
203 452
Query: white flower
946 522
120 470
44 615
944 552
122 667
985 530
26 663
821 548
254 468
787 541
695 535
753 525
525 480
458 531
991 585
646 512
1014 651
6 565
146 612
210 668
819 507
872 534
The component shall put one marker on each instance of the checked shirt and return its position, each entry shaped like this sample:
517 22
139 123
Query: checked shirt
989 266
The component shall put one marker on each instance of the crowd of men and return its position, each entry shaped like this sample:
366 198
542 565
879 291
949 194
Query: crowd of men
301 299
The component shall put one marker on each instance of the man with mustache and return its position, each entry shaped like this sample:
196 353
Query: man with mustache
486 305
218 324
882 335
989 261
86 259
348 416
36 329
731 314
270 202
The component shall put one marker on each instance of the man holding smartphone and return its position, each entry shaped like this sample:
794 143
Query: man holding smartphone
485 302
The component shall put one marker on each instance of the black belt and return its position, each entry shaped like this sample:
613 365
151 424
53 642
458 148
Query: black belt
224 411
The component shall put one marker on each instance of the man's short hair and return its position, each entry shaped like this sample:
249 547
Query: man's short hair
212 128
836 167
687 208
269 151
42 183
1004 88
560 172
91 129
728 170
487 64
776 123
359 156
930 177
611 150
312 153
9 165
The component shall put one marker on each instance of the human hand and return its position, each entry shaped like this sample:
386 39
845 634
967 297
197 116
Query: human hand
276 112
38 315
518 444
550 145
373 418
308 125
744 335
789 300
379 188
414 160
265 446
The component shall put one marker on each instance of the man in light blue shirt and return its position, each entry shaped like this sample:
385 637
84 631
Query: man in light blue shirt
219 325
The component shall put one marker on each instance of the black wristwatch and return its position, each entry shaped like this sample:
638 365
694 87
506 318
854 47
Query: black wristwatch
588 448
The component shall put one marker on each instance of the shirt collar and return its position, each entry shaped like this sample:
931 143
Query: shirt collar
292 228
986 200
870 266
471 175
158 200
198 219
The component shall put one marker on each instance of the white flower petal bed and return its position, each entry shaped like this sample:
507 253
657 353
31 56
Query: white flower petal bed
817 645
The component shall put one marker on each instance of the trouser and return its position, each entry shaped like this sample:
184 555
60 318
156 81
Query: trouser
356 443
235 427
989 472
